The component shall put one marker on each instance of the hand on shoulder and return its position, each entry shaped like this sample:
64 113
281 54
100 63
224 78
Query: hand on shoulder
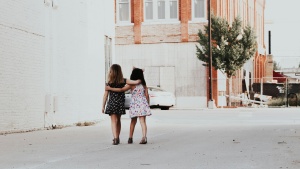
107 88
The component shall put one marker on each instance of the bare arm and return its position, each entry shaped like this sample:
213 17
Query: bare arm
104 100
133 82
147 94
123 89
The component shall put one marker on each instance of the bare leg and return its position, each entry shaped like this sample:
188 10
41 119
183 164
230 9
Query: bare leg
118 127
132 126
143 125
144 129
114 119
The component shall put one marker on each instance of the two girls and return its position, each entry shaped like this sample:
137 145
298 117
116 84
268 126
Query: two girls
139 105
115 105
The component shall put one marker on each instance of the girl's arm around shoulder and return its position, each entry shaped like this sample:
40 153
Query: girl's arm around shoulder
147 94
133 82
123 89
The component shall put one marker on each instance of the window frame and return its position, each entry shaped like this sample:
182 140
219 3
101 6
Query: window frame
164 9
118 12
155 12
193 12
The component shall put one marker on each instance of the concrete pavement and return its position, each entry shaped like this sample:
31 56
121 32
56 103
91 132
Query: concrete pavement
198 139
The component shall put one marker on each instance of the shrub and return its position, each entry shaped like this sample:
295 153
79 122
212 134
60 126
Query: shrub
281 101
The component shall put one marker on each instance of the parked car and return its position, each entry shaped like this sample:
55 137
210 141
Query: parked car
159 98
264 98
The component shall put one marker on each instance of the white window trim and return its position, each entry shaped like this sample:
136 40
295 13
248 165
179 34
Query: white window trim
204 19
118 16
124 24
155 13
160 22
198 21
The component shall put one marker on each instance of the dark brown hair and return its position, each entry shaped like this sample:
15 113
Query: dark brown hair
138 74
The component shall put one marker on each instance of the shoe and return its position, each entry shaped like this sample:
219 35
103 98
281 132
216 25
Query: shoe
115 141
118 140
144 140
130 141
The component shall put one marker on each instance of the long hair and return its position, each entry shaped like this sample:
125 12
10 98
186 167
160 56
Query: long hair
115 74
138 74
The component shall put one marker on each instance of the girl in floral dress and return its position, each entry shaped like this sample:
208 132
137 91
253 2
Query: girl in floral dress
139 105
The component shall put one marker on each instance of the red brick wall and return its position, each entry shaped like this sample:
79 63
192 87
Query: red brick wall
177 32
137 19
184 18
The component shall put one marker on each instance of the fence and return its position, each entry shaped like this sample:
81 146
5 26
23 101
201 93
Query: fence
267 92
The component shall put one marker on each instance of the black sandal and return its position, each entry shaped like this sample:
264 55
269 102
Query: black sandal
144 140
130 141
115 141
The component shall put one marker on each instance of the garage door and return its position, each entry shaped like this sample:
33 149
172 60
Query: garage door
163 77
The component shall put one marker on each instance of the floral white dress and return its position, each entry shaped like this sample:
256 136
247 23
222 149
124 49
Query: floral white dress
139 105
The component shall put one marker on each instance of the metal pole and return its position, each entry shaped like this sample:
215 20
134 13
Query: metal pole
211 103
210 50
261 90
269 42
287 92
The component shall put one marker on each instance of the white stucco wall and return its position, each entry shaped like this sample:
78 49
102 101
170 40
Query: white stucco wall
52 60
22 62
163 61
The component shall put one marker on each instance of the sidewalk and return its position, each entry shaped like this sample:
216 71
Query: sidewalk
177 139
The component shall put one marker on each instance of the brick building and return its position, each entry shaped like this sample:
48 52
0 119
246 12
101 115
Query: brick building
160 36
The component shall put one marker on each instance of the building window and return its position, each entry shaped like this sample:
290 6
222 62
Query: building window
231 9
123 7
161 6
156 10
149 9
198 7
173 9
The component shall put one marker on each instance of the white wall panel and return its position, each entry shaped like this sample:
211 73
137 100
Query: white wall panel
52 60
22 64
189 73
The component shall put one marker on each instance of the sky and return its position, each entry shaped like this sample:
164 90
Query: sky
285 31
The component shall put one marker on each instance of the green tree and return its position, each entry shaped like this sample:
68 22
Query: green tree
232 45
276 65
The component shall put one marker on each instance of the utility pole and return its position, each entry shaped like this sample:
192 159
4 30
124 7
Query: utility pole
211 101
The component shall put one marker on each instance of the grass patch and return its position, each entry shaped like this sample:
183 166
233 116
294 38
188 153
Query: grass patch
277 102
85 123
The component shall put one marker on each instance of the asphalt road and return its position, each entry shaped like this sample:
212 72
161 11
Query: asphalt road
259 138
